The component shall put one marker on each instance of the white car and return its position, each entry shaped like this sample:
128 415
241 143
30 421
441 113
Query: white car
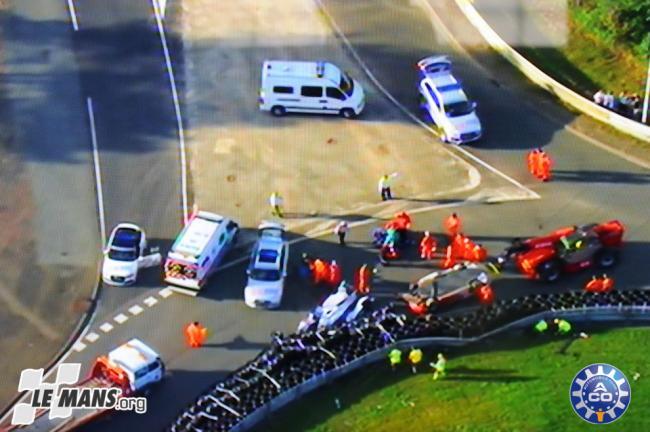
124 255
267 270
445 102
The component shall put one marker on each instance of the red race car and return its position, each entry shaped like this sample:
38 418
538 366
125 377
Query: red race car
568 250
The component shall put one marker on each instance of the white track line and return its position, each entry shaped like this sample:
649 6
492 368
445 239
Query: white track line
98 173
150 301
73 15
92 337
408 113
106 327
165 292
177 108
79 346
121 318
135 310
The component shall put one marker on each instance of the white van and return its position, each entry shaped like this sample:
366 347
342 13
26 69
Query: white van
198 250
309 87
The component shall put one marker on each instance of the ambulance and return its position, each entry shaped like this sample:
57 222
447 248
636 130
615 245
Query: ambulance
309 87
198 251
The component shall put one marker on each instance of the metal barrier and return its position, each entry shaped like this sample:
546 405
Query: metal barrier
623 124
298 364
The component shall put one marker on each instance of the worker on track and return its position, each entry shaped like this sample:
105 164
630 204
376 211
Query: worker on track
439 367
415 358
449 260
276 202
362 278
545 164
452 225
384 185
600 284
395 358
320 271
195 334
428 246
532 161
335 274
485 294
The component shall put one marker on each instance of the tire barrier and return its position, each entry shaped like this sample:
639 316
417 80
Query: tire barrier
296 364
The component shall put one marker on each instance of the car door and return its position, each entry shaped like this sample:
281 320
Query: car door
335 99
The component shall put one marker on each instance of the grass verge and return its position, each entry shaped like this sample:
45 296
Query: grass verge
501 385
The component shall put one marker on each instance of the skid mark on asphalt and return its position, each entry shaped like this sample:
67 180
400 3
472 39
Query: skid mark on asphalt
121 318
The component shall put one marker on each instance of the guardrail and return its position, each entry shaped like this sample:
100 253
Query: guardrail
565 94
297 364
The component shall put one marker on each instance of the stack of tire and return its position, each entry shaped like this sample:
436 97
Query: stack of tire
290 361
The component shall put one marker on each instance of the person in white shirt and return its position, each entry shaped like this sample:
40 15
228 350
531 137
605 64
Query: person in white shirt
341 230
599 97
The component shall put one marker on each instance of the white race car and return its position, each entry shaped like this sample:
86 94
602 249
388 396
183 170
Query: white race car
267 270
446 103
124 255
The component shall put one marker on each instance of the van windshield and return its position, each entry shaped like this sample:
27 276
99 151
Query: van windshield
347 84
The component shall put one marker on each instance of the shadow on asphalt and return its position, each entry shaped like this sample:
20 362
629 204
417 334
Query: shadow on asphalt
593 176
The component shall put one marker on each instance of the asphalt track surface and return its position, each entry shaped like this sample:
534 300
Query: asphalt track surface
389 36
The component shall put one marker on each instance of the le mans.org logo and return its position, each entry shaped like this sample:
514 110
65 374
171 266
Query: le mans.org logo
60 398
600 393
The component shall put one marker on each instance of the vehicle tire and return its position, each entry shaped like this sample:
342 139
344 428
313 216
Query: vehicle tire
549 271
606 258
348 113
278 111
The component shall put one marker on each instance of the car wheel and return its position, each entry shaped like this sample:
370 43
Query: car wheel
278 111
606 258
549 271
348 113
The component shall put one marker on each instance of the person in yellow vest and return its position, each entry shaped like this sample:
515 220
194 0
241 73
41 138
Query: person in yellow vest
439 367
395 358
276 202
415 357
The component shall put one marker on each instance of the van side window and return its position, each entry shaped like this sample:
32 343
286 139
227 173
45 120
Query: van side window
283 89
334 93
141 372
311 91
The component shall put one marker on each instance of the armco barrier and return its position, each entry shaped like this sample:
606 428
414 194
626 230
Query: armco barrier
623 124
297 364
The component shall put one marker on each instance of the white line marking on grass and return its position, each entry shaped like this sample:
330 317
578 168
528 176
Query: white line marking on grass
73 15
121 318
150 301
106 327
98 173
92 337
135 310
177 108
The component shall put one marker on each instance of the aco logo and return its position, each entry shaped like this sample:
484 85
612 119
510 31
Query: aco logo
600 393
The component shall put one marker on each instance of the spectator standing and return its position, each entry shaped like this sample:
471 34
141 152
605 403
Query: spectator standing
341 230
599 97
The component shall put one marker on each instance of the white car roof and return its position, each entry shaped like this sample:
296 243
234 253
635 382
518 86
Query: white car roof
268 247
133 355
197 234
301 69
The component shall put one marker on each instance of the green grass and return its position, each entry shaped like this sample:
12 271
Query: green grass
514 384
590 61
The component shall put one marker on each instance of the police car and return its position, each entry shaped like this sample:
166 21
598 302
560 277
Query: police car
124 255
445 102
267 270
